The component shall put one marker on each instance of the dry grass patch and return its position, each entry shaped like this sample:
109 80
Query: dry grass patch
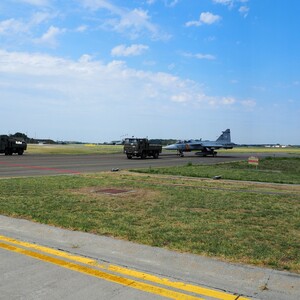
112 193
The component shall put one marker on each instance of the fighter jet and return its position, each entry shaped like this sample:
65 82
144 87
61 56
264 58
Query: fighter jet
205 147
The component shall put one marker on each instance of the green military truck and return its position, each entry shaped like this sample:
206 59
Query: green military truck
10 145
141 148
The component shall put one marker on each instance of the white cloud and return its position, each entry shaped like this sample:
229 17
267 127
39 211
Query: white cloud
228 100
168 3
133 50
244 10
210 39
224 2
98 4
204 18
12 26
82 96
171 3
81 28
200 56
192 23
23 30
209 18
132 22
181 98
85 82
205 56
50 37
41 17
36 2
85 58
249 103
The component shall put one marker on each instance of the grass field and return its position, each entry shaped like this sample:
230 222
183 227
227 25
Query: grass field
74 149
236 221
289 150
270 169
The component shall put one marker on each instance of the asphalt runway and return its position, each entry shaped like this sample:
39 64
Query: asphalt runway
41 165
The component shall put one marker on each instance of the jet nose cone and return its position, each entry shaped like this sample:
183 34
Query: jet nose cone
170 147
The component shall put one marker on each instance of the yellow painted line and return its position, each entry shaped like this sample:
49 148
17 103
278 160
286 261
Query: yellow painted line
100 274
128 272
59 253
177 285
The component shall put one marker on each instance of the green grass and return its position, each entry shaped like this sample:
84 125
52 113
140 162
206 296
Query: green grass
74 149
242 222
293 150
290 150
270 169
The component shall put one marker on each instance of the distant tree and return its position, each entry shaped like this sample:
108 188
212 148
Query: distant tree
20 135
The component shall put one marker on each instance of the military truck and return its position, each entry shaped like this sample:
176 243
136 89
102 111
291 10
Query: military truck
141 148
10 145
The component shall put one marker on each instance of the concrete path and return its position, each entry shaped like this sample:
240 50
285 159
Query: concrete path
44 262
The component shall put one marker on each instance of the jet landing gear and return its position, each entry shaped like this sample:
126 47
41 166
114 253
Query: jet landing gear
201 153
214 153
180 153
206 153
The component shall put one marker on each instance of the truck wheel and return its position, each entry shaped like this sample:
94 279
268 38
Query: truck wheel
155 155
143 156
20 152
129 156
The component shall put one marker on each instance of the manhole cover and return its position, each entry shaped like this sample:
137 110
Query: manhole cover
112 191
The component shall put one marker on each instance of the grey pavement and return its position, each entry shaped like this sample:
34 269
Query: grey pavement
23 277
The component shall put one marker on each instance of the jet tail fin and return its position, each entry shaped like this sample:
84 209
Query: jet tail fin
224 137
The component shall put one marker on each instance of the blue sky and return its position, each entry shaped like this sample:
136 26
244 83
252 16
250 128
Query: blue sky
99 70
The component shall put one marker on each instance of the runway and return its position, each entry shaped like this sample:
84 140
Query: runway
41 165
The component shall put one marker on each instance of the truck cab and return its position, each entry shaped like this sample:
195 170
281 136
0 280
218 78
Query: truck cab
10 145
